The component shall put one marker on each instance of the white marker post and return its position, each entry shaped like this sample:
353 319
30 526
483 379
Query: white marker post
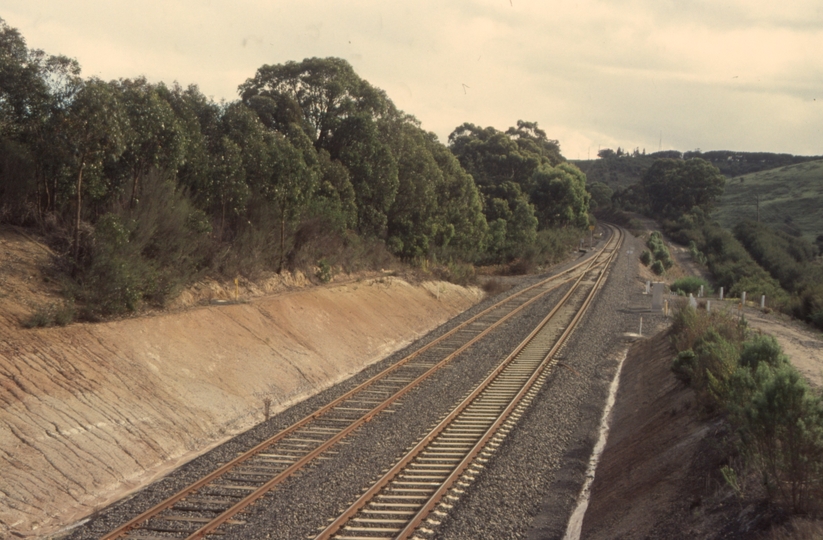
763 302
721 293
657 296
743 298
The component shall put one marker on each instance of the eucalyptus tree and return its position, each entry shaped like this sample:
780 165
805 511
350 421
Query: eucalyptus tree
94 131
523 177
601 194
227 189
412 216
493 157
372 167
560 197
461 224
512 221
35 89
289 183
199 119
22 88
675 187
326 91
338 111
335 198
154 138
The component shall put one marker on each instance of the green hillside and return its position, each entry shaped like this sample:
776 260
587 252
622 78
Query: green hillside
790 198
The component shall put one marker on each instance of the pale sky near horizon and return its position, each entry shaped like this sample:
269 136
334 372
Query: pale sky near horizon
742 75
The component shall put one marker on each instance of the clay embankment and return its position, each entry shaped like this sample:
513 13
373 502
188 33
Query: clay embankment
88 412
645 486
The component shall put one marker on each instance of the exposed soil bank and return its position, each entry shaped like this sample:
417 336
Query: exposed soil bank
659 477
90 412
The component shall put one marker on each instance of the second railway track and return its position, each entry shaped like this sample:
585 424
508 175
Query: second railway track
212 504
402 499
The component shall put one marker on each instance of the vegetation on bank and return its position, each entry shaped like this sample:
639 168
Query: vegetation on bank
777 419
657 257
753 257
142 188
620 168
788 199
691 285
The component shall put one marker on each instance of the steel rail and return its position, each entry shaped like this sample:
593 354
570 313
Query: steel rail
227 515
479 446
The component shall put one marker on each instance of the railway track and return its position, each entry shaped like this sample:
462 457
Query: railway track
400 501
212 504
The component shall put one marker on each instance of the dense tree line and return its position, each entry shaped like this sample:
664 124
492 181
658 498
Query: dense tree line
526 183
142 187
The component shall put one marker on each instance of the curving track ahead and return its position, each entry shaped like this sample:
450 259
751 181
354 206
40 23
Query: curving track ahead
402 499
211 504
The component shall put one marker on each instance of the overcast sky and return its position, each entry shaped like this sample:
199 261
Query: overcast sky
671 74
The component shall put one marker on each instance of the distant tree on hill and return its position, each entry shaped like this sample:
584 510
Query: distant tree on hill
601 195
675 187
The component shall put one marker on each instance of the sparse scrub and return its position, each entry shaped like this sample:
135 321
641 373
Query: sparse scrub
141 254
55 314
697 255
455 272
797 529
727 259
778 419
324 271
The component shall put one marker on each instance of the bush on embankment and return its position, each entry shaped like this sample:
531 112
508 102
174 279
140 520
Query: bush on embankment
777 418
732 267
657 257
690 285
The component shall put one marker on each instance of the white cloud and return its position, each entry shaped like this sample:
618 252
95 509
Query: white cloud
736 74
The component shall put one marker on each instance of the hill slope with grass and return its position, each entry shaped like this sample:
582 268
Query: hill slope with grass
790 198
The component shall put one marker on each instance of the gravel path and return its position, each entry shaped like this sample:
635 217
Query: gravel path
528 488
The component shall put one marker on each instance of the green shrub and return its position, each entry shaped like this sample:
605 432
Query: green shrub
817 319
324 271
141 253
658 268
762 349
697 255
684 366
658 252
783 423
690 325
716 359
690 285
779 421
56 314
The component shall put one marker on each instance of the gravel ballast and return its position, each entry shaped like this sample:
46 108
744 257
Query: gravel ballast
539 468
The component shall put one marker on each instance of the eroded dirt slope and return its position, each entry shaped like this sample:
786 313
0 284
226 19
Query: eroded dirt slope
659 463
91 411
